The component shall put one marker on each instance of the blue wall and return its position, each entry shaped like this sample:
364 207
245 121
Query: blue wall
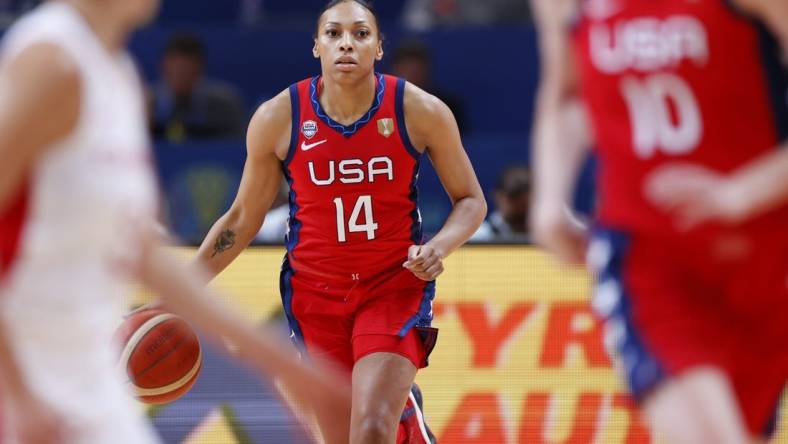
174 12
493 70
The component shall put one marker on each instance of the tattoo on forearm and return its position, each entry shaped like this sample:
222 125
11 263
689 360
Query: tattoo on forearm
225 241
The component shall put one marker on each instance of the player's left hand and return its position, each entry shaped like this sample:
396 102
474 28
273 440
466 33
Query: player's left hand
694 195
424 261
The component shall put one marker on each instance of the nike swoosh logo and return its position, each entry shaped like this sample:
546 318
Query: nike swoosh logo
307 147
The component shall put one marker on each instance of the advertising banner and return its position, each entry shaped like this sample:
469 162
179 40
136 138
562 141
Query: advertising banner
519 359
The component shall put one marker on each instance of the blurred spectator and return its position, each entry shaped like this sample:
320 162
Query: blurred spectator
509 221
185 104
422 15
275 225
412 61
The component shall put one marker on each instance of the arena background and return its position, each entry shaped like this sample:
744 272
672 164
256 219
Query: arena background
520 357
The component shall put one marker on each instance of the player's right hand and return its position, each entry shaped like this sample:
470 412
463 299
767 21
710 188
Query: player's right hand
553 231
34 422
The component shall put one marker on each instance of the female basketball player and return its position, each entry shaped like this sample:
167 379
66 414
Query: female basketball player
77 199
686 102
357 283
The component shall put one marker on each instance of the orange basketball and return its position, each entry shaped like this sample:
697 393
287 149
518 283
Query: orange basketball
160 355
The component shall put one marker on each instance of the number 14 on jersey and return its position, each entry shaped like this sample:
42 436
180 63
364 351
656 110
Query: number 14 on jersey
363 203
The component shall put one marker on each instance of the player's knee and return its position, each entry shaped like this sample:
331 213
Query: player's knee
374 429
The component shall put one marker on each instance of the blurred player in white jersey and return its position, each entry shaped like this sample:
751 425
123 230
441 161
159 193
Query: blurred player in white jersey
77 199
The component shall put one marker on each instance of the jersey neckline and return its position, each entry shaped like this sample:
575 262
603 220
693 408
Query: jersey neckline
347 130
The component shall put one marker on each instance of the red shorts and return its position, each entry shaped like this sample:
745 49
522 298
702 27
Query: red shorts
346 320
672 306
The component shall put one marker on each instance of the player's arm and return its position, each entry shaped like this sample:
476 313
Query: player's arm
561 136
39 104
431 124
40 93
269 133
313 383
696 195
763 183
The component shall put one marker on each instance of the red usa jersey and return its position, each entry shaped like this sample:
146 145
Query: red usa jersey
675 80
353 198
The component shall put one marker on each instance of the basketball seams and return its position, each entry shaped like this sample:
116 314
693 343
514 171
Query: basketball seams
186 335
173 386
134 340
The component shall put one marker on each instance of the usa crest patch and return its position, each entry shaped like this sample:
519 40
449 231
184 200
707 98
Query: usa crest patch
309 129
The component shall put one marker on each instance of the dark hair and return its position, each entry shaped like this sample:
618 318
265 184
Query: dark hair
364 3
185 44
514 181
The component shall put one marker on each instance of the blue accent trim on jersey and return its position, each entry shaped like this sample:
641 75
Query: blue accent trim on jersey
776 79
294 225
611 302
415 215
351 129
423 318
401 127
286 291
295 119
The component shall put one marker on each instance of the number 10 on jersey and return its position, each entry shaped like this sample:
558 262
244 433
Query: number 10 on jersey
665 115
363 203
